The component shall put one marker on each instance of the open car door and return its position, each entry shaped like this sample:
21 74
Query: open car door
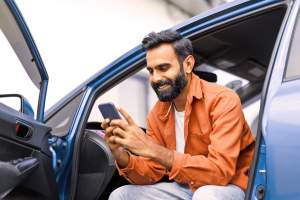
25 158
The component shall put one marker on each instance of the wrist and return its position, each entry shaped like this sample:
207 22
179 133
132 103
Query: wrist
162 155
117 151
153 152
122 157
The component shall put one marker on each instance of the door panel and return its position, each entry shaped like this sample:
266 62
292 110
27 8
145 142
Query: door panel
10 119
40 182
281 122
283 143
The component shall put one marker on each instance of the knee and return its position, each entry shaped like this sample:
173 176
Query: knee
205 192
120 193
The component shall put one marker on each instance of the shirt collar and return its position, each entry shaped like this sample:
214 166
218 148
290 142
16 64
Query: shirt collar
194 91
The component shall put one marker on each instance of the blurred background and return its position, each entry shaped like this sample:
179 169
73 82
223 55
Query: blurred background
76 38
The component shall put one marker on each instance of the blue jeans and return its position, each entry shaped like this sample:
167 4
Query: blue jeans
175 191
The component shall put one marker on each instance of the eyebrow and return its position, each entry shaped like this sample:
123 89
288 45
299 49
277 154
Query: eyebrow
159 65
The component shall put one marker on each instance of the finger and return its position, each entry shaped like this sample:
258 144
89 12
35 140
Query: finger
105 123
119 132
117 140
126 116
108 134
119 123
109 130
106 138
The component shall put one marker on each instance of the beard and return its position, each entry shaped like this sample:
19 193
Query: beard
174 89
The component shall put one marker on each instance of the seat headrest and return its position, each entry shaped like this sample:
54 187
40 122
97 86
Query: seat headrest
208 76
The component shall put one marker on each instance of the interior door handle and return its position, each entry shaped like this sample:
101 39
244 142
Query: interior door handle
23 130
13 172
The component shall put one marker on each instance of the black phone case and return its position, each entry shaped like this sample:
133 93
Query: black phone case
109 111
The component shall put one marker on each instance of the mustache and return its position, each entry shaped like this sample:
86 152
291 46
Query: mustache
156 85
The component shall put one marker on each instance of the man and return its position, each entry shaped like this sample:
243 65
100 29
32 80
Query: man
196 133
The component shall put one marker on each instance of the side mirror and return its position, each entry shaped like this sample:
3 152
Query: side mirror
17 102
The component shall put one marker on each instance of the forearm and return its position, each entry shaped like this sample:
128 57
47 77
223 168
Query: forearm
162 155
122 157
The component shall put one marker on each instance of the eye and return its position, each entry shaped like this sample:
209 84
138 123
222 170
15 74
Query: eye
164 68
150 70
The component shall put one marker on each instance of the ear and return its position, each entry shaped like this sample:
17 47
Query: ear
189 63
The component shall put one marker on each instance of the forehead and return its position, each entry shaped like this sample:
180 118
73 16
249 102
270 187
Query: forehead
161 54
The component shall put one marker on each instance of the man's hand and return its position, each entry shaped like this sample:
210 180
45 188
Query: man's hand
120 155
108 133
130 136
127 134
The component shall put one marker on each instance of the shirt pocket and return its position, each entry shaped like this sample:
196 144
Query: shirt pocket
199 142
200 135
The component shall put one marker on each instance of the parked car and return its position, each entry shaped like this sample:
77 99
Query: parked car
61 154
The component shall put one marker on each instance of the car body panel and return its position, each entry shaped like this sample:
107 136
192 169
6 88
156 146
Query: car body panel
283 143
280 123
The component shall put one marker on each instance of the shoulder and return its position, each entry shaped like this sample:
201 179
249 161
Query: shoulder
214 92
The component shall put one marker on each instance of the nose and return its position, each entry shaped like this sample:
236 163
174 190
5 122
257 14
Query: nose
156 77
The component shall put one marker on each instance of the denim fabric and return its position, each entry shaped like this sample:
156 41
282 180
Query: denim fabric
175 191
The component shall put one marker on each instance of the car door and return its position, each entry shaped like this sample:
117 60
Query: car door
25 157
280 125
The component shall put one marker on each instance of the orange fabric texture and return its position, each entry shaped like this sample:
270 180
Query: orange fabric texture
219 145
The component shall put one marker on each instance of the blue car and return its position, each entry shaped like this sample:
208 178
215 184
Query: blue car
249 46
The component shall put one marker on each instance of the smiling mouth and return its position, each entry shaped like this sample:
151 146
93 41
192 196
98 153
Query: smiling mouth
162 87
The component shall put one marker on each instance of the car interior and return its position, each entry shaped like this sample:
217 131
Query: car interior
242 48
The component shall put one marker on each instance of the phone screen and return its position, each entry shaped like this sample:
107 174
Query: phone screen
109 111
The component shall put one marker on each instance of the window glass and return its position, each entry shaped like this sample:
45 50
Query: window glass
134 95
293 67
13 78
224 78
61 121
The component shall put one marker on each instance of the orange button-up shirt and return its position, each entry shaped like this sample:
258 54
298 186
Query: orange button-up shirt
219 145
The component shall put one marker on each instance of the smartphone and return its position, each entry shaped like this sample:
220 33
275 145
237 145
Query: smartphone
109 111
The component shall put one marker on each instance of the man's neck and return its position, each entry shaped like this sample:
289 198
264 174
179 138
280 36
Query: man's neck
180 101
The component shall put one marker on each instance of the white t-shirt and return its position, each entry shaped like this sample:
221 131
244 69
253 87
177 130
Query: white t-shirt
179 130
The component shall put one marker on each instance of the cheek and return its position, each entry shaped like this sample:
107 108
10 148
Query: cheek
173 75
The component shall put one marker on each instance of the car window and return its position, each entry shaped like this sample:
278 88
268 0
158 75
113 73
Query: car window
224 78
61 121
134 95
293 68
13 78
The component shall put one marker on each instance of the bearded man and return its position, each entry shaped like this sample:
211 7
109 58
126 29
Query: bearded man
196 136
